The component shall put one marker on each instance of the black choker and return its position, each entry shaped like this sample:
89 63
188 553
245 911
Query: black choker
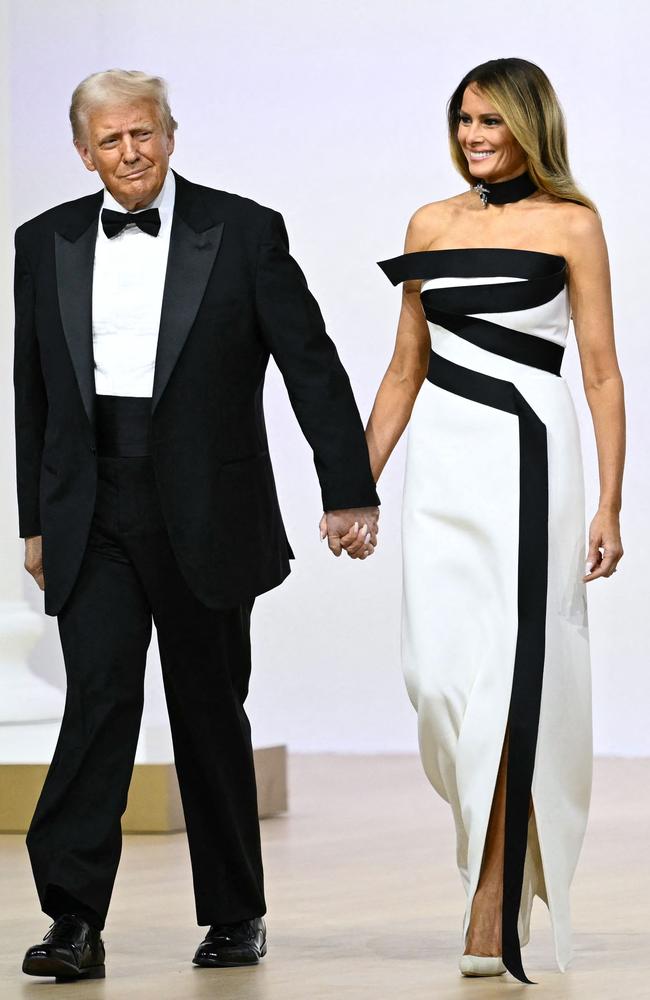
503 192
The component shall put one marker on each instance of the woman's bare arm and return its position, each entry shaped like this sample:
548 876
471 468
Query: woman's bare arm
408 365
591 304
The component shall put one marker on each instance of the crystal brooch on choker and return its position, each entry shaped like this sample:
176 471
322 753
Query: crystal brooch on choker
482 192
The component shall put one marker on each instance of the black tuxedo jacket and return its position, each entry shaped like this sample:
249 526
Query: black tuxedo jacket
233 296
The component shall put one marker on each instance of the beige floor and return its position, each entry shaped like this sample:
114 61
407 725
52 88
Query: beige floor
364 901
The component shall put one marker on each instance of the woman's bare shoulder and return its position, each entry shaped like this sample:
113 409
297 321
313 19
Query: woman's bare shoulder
575 220
566 227
581 232
428 221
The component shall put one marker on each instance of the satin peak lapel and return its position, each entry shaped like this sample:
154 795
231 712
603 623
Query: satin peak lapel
74 279
191 258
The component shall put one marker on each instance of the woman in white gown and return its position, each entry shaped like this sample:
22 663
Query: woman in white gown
495 640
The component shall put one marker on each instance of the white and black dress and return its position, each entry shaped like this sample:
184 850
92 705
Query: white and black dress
495 635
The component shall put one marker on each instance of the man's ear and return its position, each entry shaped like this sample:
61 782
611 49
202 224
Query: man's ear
84 153
171 142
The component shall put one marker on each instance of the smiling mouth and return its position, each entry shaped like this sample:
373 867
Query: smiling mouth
136 173
481 154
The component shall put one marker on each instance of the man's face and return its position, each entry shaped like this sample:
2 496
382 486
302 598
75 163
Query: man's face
126 145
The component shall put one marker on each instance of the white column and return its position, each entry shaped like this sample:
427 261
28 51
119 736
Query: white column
29 707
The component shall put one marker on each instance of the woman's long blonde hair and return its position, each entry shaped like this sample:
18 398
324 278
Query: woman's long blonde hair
522 94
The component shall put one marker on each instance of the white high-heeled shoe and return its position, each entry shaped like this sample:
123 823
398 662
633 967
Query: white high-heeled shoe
480 965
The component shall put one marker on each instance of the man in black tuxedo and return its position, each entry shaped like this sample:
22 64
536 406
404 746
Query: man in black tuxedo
145 318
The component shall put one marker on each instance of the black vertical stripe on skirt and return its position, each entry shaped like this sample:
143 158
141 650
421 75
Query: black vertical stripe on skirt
532 576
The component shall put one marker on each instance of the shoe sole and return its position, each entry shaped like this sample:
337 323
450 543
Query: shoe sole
62 971
481 975
208 964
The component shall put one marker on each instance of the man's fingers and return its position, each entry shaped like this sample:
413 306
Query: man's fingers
38 575
334 543
357 545
365 553
350 536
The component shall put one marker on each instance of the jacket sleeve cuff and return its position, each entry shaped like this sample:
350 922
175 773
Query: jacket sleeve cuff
28 529
335 499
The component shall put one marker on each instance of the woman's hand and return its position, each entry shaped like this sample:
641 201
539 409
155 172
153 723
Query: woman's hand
605 549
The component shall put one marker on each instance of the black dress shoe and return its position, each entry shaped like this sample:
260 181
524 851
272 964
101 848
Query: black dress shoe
70 950
227 945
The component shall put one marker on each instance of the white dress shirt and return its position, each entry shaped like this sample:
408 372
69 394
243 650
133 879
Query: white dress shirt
128 283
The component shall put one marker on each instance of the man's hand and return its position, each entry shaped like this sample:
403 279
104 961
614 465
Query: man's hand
354 530
34 559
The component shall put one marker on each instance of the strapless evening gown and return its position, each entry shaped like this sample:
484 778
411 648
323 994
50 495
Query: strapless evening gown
494 633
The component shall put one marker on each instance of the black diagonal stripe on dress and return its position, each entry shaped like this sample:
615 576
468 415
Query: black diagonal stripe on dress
472 262
502 296
528 671
508 343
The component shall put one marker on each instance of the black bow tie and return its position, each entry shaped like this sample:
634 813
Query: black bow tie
114 222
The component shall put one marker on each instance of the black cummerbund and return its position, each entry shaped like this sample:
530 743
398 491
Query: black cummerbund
123 426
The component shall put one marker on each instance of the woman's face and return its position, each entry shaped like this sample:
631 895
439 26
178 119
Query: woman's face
493 153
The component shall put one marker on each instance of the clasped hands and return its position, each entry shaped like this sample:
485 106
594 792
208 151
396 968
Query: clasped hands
353 531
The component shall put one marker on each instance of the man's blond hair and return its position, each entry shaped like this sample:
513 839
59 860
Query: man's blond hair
118 86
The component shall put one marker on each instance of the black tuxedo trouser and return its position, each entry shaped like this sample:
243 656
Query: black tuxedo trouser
129 576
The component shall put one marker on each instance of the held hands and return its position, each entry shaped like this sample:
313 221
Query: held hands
34 559
354 530
605 548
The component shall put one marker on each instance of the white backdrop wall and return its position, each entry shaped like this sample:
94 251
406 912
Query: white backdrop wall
333 112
